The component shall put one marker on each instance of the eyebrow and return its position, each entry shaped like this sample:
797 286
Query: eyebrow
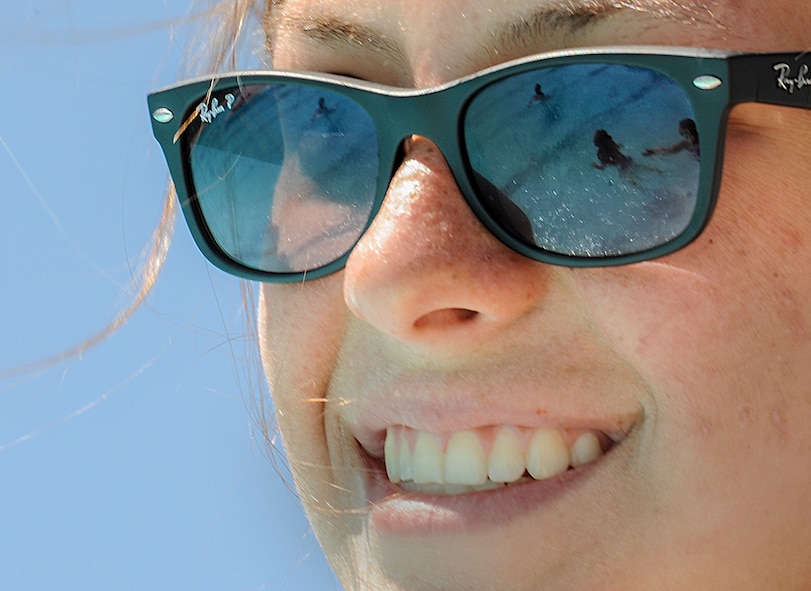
553 21
332 31
558 18
563 17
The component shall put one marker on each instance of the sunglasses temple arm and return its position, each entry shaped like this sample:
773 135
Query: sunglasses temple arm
774 79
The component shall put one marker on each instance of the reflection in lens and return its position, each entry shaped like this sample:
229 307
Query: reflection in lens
286 177
595 157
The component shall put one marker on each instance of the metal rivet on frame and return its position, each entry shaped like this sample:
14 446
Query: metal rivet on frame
163 115
707 82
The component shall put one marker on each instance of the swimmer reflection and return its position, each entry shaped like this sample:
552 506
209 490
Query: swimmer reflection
323 110
538 96
689 142
608 152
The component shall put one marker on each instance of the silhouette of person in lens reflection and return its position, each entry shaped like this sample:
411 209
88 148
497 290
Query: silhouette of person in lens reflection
689 142
538 96
322 111
608 152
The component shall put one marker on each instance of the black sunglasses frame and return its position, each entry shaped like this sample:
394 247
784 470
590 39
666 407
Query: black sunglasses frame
714 81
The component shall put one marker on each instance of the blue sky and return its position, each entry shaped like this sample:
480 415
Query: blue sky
134 466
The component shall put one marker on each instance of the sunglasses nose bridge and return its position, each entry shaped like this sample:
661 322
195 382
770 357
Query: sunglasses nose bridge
434 116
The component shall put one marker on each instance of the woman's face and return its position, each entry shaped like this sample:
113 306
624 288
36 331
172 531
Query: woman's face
690 371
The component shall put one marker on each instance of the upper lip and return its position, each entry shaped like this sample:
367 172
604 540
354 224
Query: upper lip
445 406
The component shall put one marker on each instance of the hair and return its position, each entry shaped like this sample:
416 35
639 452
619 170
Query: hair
217 45
221 43
226 41
143 282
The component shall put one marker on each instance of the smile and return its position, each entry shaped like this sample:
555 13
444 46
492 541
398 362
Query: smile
487 458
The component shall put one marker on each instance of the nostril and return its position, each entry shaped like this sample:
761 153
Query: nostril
445 318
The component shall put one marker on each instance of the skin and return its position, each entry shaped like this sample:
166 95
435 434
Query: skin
702 354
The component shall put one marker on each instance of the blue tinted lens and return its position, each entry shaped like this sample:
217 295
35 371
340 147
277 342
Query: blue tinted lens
285 174
586 160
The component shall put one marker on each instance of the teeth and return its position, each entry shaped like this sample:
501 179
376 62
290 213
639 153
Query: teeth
392 455
417 460
406 460
547 455
586 449
465 462
507 462
429 461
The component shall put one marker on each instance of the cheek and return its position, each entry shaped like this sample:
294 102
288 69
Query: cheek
739 295
300 328
723 346
721 330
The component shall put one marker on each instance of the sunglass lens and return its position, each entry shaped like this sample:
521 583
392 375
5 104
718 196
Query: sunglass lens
284 174
594 160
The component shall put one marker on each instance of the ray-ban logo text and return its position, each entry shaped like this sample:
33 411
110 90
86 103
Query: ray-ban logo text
210 111
791 83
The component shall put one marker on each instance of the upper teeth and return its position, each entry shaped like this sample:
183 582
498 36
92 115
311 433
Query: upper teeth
453 462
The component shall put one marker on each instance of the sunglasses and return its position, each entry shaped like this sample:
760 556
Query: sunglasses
581 158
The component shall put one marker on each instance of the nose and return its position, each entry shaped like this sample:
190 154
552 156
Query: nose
427 269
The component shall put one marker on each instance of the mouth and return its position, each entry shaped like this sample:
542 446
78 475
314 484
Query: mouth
421 482
488 458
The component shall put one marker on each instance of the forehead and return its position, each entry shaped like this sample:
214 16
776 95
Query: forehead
413 15
436 30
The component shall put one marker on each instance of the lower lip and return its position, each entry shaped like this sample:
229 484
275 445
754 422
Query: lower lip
396 510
